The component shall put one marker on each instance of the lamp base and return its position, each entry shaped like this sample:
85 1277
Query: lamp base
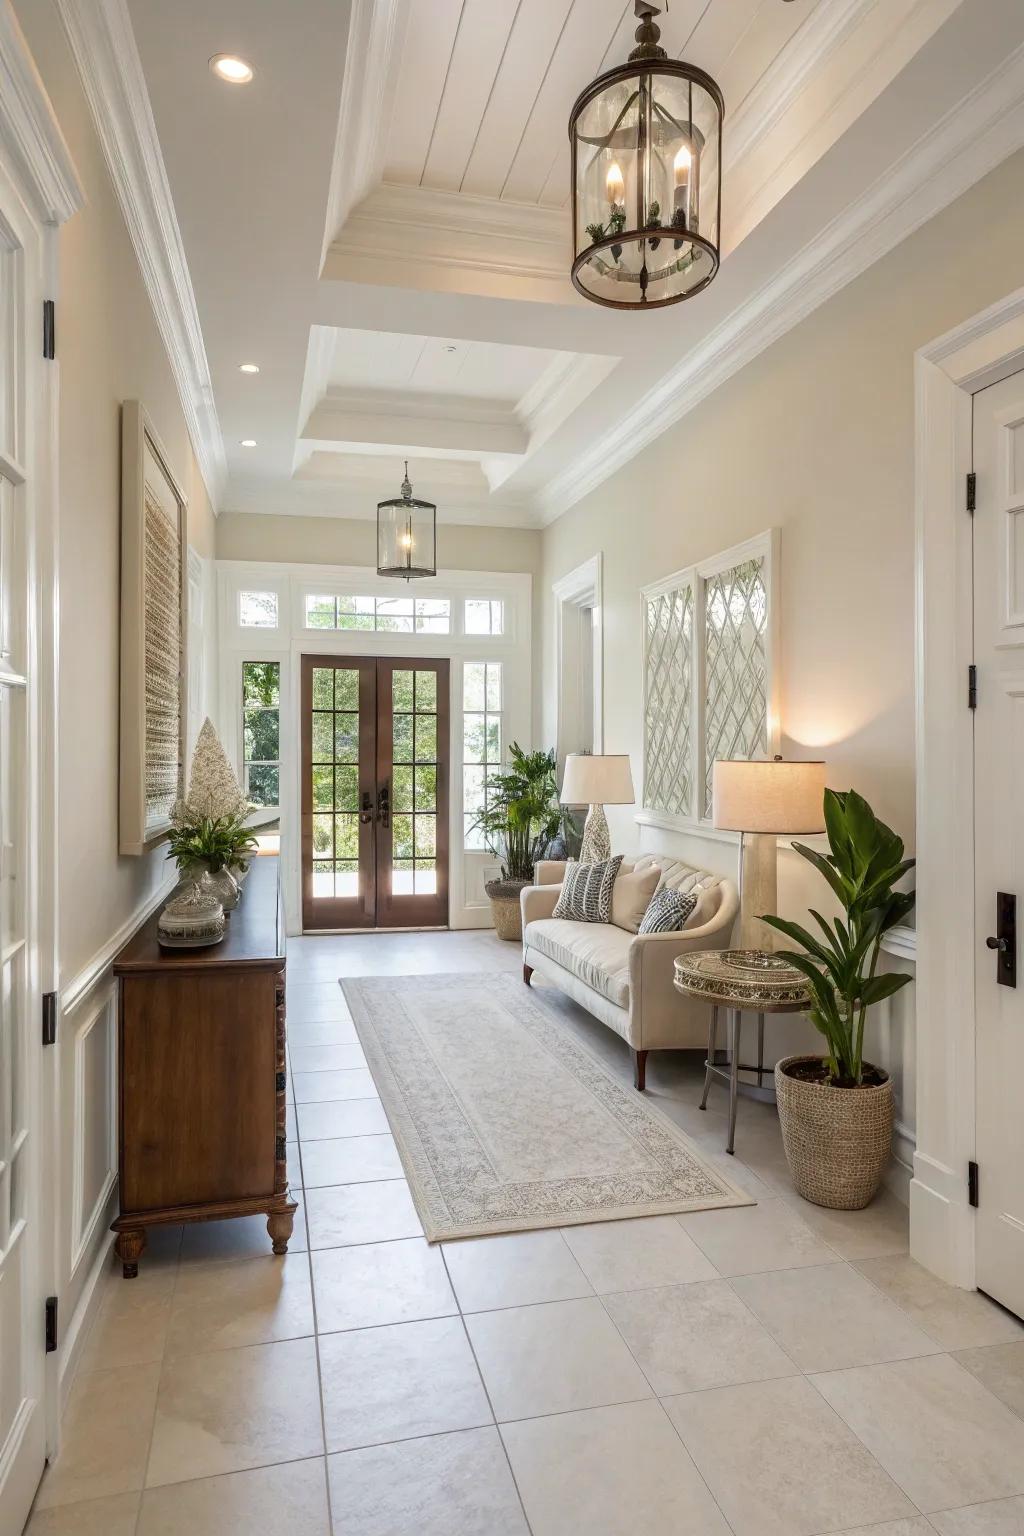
759 889
597 841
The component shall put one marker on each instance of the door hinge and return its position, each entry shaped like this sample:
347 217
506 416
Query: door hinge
51 1324
49 330
972 1183
972 491
49 1018
972 686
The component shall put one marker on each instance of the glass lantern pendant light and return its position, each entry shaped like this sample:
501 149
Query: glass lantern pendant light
646 142
406 535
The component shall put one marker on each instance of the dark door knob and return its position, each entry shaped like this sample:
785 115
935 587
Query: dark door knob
999 944
366 813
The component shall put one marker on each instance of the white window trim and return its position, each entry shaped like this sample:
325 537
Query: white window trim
763 546
579 589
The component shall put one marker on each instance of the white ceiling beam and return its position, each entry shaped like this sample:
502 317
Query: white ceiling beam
438 424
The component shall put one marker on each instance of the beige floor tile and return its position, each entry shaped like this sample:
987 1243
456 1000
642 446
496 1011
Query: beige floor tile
244 1237
780 1466
610 1472
882 1228
918 1526
97 1517
287 1500
941 1434
325 1058
446 1485
328 1119
829 1316
1004 1517
223 1306
235 1408
395 1383
689 1337
954 1318
377 1283
331 1029
744 1240
105 1436
344 1214
310 1001
513 1271
350 1083
131 1324
552 1358
631 1255
350 1160
1000 1367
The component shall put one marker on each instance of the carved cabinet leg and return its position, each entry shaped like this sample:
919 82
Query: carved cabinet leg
129 1248
279 1229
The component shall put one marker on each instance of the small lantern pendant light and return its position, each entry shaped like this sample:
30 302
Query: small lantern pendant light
406 535
646 143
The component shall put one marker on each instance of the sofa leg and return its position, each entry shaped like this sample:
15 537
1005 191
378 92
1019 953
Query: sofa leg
527 973
639 1070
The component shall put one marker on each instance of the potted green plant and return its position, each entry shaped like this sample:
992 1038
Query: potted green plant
836 1111
204 851
519 820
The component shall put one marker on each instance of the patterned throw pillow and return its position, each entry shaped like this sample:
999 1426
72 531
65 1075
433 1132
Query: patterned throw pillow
586 895
667 912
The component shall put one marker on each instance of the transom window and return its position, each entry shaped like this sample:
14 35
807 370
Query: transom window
394 615
261 731
257 610
482 740
484 616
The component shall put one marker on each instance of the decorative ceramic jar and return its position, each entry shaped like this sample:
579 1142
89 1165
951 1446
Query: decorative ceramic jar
192 919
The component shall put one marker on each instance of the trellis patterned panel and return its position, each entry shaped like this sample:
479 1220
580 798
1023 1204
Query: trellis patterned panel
668 684
735 667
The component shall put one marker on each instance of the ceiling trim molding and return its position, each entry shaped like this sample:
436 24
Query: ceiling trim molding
463 243
29 127
104 49
971 139
373 53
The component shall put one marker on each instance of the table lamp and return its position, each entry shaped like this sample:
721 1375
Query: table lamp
597 781
762 801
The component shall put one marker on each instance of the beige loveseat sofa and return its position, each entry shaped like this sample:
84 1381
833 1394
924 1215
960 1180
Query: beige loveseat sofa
625 979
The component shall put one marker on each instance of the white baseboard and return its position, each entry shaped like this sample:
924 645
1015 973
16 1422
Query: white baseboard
941 1222
77 1331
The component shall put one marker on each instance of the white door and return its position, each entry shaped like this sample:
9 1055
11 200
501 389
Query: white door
22 1427
999 832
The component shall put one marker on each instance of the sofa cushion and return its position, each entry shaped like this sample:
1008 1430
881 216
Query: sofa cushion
596 953
587 891
668 911
674 875
631 895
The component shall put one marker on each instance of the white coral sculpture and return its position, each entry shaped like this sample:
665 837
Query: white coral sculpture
213 790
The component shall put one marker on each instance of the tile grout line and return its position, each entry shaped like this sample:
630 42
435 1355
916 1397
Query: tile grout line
159 1382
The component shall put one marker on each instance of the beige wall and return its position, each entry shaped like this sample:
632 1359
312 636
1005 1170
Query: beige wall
353 541
815 437
108 350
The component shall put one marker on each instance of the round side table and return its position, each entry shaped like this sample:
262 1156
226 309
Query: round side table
740 980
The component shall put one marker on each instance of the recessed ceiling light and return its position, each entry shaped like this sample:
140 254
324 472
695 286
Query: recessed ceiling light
226 66
248 367
248 442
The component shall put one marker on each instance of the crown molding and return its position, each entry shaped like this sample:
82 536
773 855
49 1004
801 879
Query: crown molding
376 31
463 243
971 139
412 419
29 128
104 49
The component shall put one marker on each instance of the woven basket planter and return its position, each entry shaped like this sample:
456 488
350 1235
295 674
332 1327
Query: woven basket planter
837 1140
505 908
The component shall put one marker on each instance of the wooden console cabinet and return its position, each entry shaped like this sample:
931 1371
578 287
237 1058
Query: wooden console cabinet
202 1077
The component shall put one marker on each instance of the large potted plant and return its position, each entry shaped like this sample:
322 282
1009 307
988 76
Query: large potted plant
521 817
836 1111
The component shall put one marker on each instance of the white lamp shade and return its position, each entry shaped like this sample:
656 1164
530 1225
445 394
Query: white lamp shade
590 779
776 796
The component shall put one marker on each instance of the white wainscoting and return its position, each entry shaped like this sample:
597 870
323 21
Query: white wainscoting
892 1044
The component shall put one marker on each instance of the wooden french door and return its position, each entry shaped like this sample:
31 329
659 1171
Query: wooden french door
375 752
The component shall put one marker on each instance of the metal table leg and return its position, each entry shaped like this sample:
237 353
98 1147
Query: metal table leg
734 1068
760 1050
712 1047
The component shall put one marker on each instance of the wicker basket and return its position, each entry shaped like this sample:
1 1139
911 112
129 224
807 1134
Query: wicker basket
505 908
837 1140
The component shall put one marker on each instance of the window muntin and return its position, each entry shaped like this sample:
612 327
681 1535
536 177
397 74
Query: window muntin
484 616
261 731
405 615
257 610
481 741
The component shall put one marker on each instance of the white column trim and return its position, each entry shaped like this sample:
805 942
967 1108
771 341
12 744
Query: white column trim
30 130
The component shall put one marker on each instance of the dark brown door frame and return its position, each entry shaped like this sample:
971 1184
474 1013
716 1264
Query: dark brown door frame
411 911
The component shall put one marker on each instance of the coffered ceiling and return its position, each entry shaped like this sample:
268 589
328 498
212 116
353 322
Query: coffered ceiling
379 220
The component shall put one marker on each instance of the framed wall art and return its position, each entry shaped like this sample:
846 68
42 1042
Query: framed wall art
154 707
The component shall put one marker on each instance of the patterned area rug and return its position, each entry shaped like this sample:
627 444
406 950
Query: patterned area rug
505 1122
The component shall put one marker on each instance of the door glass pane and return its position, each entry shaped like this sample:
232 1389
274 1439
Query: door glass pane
402 739
323 687
426 787
346 738
402 690
335 783
414 789
346 688
323 737
346 787
402 789
426 738
323 789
